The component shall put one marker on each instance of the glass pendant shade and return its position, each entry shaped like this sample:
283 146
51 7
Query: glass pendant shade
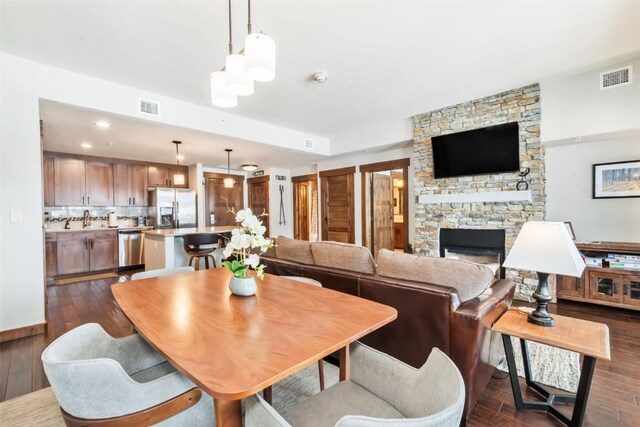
228 182
220 95
260 53
237 81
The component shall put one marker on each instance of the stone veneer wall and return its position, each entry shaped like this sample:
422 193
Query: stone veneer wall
521 105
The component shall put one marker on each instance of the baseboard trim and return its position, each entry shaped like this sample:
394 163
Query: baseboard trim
25 331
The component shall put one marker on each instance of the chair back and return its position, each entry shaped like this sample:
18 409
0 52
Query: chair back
198 239
160 272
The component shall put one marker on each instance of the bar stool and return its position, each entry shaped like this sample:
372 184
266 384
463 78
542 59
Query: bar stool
192 246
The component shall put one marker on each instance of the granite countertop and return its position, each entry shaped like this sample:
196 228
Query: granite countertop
82 230
176 232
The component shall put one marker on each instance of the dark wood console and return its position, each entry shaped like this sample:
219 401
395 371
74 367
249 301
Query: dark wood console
604 285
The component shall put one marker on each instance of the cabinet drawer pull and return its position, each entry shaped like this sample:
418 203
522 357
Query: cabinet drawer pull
134 200
626 289
91 243
86 244
83 200
88 202
129 200
616 287
579 283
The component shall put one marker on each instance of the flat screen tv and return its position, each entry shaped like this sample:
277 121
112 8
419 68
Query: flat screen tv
490 150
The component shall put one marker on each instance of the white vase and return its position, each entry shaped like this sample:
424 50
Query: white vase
243 286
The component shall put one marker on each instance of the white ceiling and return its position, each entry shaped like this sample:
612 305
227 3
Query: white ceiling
385 59
66 127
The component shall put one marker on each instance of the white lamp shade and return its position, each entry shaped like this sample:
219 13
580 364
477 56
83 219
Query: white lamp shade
237 80
260 53
545 247
220 96
228 182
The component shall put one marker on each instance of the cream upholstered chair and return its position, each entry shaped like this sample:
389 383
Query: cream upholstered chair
382 391
160 272
318 284
95 377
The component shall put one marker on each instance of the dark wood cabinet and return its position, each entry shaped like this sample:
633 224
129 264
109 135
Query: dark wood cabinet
99 184
69 176
81 252
48 181
130 185
168 176
603 285
51 262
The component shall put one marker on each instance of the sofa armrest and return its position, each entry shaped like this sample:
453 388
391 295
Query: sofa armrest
501 291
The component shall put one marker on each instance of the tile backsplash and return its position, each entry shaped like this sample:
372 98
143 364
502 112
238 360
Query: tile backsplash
56 217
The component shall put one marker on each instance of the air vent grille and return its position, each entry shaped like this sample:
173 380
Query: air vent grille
616 78
308 144
149 107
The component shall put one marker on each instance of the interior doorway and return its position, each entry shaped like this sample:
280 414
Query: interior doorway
218 199
336 188
385 206
259 198
305 207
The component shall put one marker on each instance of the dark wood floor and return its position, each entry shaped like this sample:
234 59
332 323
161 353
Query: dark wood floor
615 392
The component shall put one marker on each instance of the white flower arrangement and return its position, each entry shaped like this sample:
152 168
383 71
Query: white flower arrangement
250 235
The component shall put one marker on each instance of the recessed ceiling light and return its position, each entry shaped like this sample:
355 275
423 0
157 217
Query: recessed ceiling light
103 124
249 167
86 145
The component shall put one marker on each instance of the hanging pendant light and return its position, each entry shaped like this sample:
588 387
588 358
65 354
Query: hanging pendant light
220 95
178 178
228 181
260 52
237 81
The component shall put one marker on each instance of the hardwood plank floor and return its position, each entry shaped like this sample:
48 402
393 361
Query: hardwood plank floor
615 392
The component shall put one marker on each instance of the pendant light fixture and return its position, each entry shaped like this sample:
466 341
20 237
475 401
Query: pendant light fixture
178 178
228 181
257 61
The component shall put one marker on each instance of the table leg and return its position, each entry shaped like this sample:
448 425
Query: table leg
228 413
588 366
345 367
267 394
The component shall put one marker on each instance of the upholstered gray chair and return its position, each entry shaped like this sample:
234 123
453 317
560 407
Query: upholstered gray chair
96 377
161 272
382 391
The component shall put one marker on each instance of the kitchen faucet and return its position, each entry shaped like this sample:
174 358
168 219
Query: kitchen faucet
86 221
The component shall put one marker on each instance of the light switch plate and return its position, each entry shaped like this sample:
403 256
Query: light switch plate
16 215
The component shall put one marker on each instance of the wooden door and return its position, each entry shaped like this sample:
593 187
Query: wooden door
99 184
48 181
571 286
605 286
69 178
121 184
158 176
139 188
73 255
382 213
103 251
259 198
301 208
631 290
337 205
220 199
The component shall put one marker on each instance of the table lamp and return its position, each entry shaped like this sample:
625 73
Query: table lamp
546 248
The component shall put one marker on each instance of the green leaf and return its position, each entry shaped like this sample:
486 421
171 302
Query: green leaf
236 265
241 272
227 265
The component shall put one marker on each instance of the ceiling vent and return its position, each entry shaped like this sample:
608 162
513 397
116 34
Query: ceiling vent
616 78
148 107
308 144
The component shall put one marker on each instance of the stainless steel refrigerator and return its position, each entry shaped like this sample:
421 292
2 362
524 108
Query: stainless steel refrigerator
172 208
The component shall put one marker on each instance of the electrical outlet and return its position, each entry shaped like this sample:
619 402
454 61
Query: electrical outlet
16 215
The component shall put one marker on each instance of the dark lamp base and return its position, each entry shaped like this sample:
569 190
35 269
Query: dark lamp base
541 321
540 316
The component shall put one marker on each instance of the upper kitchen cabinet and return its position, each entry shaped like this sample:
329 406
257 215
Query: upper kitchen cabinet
130 185
169 176
81 183
69 178
48 181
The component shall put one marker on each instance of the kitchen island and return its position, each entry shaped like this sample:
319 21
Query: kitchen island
164 248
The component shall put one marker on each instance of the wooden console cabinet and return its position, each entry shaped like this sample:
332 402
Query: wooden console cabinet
603 285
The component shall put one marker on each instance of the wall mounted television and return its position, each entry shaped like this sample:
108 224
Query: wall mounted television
490 150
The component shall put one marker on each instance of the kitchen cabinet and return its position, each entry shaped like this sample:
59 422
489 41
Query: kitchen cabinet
51 267
81 252
48 181
130 185
82 183
168 176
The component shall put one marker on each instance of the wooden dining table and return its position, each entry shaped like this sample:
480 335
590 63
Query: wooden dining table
233 347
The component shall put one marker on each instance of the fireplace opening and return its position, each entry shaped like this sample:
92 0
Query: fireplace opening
479 246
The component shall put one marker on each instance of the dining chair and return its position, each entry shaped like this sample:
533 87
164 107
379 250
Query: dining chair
318 284
382 391
201 245
161 272
101 380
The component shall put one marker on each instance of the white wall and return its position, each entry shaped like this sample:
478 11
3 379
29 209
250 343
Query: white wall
569 190
575 106
24 83
363 159
378 134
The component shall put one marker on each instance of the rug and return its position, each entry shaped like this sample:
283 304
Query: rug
70 280
41 409
551 366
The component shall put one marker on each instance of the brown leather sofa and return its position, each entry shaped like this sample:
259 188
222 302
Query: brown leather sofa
429 315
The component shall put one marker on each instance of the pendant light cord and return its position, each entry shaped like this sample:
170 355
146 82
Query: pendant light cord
249 16
177 156
230 40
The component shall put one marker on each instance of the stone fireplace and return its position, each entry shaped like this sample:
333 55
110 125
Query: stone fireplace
472 208
480 246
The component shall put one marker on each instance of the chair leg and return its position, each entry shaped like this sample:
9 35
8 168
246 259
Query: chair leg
206 262
213 261
197 266
190 261
321 374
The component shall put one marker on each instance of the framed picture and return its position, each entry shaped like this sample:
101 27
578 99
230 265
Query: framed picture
615 180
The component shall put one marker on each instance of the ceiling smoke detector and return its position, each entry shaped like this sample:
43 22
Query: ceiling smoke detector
320 76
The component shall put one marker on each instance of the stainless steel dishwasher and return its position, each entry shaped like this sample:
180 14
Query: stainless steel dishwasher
130 248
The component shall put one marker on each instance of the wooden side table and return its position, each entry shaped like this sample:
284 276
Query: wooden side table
590 339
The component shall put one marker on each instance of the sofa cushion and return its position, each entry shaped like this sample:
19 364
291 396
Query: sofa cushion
468 278
344 256
294 250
